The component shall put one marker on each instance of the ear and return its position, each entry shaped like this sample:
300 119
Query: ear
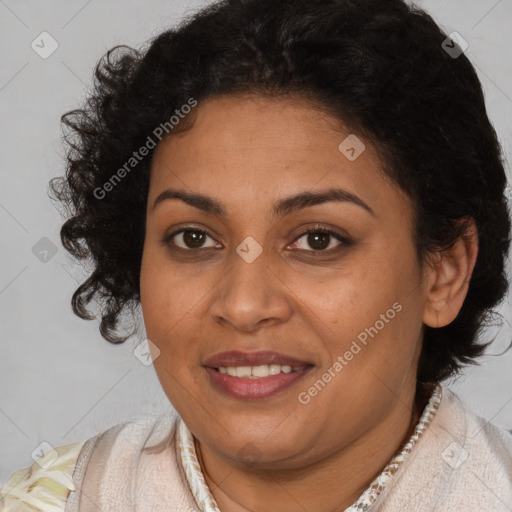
449 275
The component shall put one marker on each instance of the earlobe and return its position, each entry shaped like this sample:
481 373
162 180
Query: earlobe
450 277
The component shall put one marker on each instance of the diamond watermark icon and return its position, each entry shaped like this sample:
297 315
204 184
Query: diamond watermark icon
455 45
249 249
44 454
454 455
44 250
44 45
146 352
352 147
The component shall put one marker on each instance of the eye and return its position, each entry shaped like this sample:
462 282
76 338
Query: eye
193 238
190 238
318 239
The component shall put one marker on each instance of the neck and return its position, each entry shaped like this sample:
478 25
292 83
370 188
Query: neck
239 489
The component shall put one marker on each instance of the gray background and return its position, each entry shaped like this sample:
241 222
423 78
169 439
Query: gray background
60 381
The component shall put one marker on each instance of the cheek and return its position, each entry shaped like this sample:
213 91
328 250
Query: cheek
165 293
171 308
159 301
166 312
376 305
352 298
167 308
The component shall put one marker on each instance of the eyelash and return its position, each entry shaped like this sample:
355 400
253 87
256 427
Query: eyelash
315 229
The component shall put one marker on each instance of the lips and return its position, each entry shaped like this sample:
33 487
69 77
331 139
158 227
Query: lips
247 388
238 358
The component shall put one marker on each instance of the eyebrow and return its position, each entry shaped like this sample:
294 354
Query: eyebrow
281 208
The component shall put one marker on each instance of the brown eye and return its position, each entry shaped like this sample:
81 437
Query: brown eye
318 239
190 238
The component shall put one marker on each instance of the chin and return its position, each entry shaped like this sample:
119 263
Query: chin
260 453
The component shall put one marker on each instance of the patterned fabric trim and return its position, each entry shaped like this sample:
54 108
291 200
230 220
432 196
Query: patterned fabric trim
195 478
206 502
376 487
45 485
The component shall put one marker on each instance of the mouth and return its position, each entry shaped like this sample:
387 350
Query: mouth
255 375
257 372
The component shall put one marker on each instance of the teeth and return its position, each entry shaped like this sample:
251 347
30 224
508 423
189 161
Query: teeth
274 369
255 372
260 371
243 371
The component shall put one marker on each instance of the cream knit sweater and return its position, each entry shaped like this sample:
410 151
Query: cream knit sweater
460 463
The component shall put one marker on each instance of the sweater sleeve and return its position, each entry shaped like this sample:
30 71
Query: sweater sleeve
45 485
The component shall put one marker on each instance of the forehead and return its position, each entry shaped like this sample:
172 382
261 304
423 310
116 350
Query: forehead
250 150
233 122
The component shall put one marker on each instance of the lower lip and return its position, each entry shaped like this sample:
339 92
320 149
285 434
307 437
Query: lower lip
252 389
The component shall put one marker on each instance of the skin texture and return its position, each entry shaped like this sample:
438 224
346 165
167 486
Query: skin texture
248 152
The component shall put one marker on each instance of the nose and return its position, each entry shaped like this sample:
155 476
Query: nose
251 294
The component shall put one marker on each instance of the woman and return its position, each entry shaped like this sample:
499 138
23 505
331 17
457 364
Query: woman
307 200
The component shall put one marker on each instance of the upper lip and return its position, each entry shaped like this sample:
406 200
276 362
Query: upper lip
238 358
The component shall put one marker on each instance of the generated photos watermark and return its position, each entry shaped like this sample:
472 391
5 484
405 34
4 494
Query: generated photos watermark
304 397
137 156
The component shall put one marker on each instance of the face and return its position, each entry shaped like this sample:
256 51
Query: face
235 273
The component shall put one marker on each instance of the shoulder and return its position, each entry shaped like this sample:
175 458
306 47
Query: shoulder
46 484
476 456
461 462
54 477
482 443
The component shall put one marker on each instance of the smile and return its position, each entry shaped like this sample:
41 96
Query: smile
256 372
245 385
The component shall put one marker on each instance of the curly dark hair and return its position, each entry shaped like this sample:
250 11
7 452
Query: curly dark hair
382 68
